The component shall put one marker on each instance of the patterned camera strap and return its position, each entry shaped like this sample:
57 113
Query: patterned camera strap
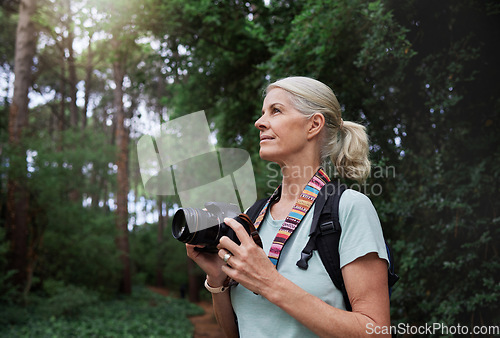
301 207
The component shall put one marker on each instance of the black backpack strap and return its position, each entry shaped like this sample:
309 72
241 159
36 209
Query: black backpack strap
392 277
328 243
319 204
325 235
254 211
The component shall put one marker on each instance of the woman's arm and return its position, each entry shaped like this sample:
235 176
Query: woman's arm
366 283
224 313
365 279
211 264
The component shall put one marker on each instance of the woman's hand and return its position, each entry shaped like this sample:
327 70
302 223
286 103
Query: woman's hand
248 264
208 262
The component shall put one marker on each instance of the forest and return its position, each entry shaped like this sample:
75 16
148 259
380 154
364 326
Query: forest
82 80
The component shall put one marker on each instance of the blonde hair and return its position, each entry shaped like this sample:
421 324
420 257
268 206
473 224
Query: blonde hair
345 143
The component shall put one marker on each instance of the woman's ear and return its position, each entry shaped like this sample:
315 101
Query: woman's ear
317 121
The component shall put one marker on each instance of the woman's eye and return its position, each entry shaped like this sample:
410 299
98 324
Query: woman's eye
272 112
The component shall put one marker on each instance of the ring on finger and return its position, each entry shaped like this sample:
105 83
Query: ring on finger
226 257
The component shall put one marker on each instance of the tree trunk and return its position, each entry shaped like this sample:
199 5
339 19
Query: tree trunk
17 194
194 284
88 79
62 103
161 226
122 140
73 108
72 79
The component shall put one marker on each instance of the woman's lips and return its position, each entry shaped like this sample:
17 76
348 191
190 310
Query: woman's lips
264 138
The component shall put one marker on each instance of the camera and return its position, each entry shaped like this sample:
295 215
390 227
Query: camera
206 227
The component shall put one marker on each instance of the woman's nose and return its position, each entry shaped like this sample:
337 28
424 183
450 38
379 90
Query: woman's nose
261 123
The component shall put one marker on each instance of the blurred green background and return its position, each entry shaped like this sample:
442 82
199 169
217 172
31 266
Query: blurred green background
82 80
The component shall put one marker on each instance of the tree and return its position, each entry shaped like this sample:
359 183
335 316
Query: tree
122 43
160 282
122 142
17 198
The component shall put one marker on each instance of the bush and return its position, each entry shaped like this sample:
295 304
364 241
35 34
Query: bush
67 300
11 314
7 291
144 314
146 252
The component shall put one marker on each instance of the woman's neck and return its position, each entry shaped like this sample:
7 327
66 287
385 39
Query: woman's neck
295 179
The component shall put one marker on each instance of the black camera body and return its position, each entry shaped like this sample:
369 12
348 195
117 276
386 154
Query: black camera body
206 227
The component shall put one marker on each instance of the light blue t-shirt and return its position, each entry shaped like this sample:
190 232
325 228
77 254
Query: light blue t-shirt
361 234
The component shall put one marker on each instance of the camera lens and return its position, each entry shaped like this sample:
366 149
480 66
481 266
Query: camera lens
196 226
206 226
180 224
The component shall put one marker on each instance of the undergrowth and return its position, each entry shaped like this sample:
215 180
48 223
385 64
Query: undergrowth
76 312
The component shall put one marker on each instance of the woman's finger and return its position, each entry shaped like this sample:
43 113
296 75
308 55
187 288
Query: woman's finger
240 231
225 255
229 245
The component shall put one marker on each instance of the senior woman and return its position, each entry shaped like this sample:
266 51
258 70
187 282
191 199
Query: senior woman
300 129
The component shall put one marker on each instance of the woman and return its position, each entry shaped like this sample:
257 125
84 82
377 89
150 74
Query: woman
301 128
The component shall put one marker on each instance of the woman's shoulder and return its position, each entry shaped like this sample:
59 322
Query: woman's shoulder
361 228
356 207
354 199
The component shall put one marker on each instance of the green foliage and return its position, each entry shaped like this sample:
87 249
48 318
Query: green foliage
7 39
443 205
67 300
147 256
142 314
12 314
8 292
145 253
213 58
87 255
70 242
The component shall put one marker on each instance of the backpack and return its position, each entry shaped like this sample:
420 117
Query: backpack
325 237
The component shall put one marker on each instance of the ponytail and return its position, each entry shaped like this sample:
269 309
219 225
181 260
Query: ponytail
348 150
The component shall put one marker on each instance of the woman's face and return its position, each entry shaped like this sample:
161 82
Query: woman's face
283 129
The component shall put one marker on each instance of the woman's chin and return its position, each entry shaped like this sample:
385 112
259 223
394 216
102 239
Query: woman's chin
266 155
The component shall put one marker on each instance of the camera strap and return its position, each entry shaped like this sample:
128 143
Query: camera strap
253 232
301 207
